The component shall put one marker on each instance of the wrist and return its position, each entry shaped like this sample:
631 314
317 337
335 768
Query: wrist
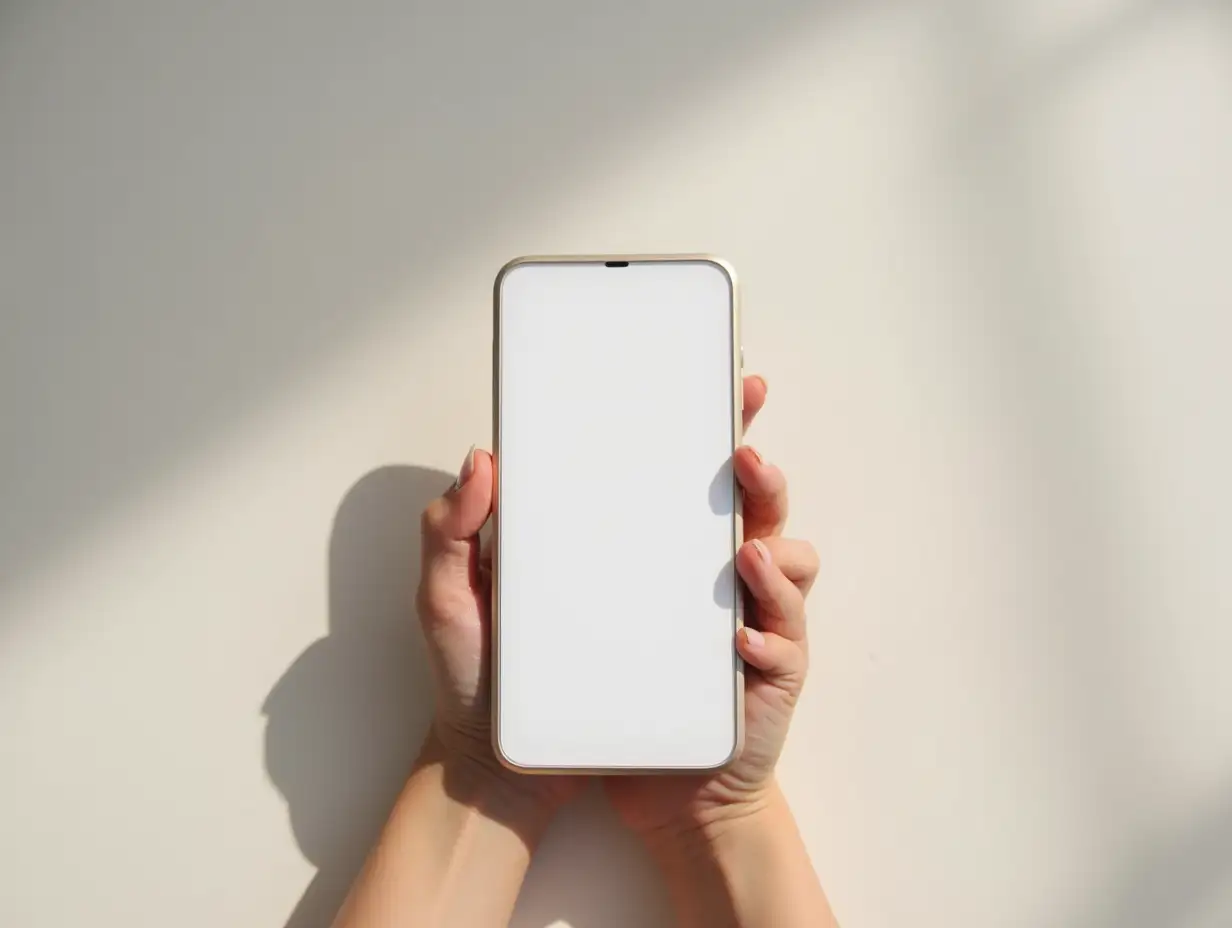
478 780
745 864
704 831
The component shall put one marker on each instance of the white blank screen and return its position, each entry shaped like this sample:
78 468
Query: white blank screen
616 500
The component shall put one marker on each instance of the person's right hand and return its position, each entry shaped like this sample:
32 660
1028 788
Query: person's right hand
778 573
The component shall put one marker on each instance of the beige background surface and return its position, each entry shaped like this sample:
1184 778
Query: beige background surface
245 259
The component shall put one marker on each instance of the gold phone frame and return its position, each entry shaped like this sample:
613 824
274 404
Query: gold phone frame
737 368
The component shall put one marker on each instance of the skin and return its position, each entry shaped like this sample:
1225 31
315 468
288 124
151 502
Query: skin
461 835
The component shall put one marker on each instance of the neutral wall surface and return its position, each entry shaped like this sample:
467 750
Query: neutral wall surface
246 252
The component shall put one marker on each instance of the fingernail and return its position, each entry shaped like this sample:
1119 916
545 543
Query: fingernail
753 638
764 386
762 551
756 454
468 468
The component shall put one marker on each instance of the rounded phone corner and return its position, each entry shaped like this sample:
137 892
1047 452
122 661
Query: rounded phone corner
505 759
730 758
734 754
724 267
509 267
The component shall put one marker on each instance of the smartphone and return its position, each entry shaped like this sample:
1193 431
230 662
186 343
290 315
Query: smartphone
617 410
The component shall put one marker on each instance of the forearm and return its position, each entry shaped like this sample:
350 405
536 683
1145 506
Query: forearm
747 871
453 853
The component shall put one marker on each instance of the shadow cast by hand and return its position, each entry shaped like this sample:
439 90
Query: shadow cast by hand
345 721
722 496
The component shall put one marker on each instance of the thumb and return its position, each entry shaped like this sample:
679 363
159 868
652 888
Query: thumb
451 524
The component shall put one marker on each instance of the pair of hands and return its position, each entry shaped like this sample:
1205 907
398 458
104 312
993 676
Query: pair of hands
454 602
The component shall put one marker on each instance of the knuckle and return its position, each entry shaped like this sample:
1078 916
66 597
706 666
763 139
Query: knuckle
778 486
428 599
812 560
436 600
792 672
432 521
789 599
422 604
800 666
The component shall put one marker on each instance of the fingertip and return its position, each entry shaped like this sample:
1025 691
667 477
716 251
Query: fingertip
475 497
751 646
761 481
754 391
753 398
746 564
751 561
750 456
778 659
461 512
749 464
484 465
752 571
466 471
758 650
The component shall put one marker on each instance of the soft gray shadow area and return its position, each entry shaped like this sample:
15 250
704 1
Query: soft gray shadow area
345 721
1174 877
1045 78
198 202
1037 353
1033 356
